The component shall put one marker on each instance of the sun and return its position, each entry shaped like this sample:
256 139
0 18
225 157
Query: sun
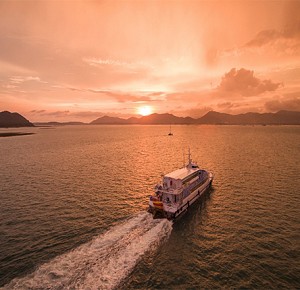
145 110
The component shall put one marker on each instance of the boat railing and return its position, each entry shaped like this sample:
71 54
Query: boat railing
171 204
171 190
188 190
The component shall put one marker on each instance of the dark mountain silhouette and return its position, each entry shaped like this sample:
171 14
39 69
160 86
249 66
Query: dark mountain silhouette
165 119
279 118
106 120
212 117
133 120
147 120
9 120
58 123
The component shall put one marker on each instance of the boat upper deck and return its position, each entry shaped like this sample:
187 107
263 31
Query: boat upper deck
182 173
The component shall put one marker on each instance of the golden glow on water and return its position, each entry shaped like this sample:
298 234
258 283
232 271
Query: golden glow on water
79 181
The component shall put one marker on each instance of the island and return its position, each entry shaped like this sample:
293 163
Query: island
13 120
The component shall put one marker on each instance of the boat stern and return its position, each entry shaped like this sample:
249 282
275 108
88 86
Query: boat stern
158 209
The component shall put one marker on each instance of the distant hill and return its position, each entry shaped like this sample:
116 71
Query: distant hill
58 123
9 120
106 120
279 118
165 119
212 117
147 120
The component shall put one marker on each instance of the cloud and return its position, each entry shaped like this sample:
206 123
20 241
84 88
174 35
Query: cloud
22 79
285 39
187 96
231 95
10 68
264 37
122 97
95 62
283 42
238 107
91 115
9 86
114 62
278 45
227 105
38 111
292 104
58 113
67 115
244 83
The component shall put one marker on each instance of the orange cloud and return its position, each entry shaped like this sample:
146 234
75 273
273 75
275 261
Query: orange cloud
171 55
123 96
244 82
288 34
264 37
67 115
292 104
286 41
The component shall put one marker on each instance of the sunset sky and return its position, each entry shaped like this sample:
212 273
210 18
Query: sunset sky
80 60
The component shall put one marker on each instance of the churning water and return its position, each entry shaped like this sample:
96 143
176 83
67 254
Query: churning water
74 199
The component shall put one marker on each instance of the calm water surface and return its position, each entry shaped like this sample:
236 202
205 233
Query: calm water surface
73 209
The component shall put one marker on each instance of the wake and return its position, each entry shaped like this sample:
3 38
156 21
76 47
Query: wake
103 262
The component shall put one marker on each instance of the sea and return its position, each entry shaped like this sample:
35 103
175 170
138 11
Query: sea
73 208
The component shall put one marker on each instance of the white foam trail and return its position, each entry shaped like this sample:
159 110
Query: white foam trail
101 263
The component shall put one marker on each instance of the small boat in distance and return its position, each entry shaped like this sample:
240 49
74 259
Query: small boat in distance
170 133
179 189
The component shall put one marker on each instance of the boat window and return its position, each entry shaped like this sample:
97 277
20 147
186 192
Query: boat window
190 177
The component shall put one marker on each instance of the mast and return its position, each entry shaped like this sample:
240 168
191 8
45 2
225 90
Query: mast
170 133
190 160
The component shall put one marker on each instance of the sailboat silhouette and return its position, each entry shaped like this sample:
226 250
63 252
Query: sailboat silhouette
170 133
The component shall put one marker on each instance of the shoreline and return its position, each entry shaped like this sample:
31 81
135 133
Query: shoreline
11 134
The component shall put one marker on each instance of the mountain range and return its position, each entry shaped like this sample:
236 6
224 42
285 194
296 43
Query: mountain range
212 117
8 119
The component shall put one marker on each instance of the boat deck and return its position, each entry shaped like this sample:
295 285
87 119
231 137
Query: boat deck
181 173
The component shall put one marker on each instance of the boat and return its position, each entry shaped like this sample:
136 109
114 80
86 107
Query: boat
179 190
170 133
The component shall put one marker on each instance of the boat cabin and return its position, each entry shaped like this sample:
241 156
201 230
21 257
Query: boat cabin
178 184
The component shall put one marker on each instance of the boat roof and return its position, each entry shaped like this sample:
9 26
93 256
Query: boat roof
181 173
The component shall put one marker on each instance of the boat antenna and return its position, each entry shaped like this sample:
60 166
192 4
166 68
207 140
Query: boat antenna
190 160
